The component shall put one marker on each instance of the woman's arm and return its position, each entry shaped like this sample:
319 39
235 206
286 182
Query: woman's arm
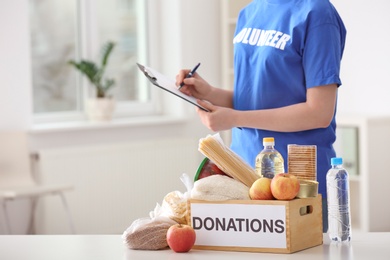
316 112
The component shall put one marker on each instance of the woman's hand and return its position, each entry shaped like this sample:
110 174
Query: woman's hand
218 118
198 88
194 86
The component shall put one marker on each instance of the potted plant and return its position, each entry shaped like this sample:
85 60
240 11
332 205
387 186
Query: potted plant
102 105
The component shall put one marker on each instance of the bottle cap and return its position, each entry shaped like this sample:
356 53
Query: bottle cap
336 161
268 141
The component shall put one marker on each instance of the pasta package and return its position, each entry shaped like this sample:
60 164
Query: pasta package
175 203
228 161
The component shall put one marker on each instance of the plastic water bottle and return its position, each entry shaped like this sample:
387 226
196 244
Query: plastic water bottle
339 218
269 161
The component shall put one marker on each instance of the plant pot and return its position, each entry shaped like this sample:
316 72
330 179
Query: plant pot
100 109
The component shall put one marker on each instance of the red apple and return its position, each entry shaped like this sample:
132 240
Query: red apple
261 189
285 186
181 238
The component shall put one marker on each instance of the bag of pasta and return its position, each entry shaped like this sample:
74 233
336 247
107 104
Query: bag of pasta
175 203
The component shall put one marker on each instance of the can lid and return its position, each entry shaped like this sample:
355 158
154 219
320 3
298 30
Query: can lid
336 161
268 141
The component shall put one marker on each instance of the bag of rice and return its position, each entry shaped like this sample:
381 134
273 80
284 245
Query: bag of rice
218 188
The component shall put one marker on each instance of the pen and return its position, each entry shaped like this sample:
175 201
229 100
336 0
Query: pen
189 75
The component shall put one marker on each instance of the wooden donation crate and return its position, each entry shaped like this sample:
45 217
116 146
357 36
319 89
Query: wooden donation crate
272 226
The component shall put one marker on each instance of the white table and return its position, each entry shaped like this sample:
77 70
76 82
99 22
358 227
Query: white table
365 246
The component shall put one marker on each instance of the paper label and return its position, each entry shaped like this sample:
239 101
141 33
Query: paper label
239 225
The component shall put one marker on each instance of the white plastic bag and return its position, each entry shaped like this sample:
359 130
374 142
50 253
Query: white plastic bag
174 204
148 233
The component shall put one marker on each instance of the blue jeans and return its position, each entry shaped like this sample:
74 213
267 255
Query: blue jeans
324 215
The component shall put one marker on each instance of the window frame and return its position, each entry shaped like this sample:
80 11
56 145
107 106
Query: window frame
88 45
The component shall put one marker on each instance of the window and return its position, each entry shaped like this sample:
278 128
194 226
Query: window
75 29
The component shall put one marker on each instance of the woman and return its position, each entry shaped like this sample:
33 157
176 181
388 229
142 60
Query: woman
287 56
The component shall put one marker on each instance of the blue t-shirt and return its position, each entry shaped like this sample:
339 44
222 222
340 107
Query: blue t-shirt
282 48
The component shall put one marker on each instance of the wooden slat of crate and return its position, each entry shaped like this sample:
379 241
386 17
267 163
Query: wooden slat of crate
305 231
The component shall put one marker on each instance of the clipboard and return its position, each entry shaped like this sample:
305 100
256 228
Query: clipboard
161 81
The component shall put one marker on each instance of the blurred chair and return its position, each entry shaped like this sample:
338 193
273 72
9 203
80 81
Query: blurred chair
16 178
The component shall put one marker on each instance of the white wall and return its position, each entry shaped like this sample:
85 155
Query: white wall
15 98
366 63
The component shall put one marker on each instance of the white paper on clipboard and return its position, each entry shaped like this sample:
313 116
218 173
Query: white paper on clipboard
161 81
